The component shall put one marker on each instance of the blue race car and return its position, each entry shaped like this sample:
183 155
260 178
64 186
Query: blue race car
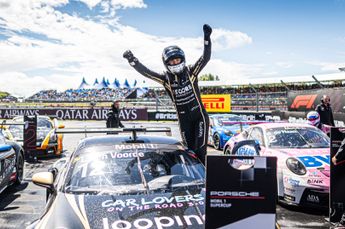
11 162
223 127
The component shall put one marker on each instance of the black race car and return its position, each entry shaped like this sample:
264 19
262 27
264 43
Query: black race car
11 162
119 181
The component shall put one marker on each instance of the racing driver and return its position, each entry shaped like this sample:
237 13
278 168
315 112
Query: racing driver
313 118
181 83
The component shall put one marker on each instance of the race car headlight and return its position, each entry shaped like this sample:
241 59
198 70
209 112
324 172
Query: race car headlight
228 132
296 166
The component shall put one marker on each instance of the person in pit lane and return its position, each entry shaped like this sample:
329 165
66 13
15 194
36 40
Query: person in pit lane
325 111
313 118
181 83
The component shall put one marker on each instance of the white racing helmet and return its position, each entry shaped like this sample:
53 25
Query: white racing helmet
313 118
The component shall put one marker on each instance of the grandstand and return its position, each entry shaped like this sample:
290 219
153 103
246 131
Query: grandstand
262 94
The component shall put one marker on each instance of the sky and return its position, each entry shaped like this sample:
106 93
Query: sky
53 44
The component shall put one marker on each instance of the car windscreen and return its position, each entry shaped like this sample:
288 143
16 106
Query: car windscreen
43 128
296 137
133 171
2 137
16 131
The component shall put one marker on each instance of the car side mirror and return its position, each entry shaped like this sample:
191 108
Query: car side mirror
44 179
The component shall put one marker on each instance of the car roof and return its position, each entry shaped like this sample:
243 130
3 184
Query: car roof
223 115
38 116
282 124
109 140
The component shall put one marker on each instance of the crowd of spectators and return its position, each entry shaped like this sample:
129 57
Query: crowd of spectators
80 95
244 97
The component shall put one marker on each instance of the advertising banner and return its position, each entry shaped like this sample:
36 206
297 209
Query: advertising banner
243 198
217 103
30 138
306 100
337 186
162 116
77 114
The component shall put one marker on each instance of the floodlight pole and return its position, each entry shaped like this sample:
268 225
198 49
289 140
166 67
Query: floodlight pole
318 82
285 85
257 96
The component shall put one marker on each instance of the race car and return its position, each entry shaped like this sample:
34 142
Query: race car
48 142
223 127
303 155
11 162
120 181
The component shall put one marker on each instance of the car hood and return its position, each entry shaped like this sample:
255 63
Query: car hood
179 209
304 152
316 161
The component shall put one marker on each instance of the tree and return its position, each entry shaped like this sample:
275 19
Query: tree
208 77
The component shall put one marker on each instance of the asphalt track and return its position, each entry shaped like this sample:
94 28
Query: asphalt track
22 204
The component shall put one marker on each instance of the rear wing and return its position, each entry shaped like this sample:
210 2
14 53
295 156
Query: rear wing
133 130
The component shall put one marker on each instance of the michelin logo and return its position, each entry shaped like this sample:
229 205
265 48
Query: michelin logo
165 116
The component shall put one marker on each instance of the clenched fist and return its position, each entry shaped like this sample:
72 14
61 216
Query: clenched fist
207 31
128 55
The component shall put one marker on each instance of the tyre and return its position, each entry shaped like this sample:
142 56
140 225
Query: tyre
19 169
227 151
216 141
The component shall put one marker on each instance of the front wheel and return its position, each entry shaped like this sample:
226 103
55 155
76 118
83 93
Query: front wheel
19 169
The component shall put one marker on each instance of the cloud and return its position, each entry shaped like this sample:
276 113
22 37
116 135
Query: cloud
225 39
32 84
91 3
284 64
128 4
48 49
230 72
328 66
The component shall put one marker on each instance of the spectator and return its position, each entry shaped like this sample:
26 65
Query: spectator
113 119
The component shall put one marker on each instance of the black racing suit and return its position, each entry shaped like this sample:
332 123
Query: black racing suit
326 114
184 91
113 118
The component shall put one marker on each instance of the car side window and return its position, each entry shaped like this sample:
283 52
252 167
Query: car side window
256 134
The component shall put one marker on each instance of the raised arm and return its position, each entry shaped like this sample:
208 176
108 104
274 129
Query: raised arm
203 60
134 62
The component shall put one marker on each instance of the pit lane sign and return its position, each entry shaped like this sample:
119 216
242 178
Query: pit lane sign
337 185
240 198
30 138
217 103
